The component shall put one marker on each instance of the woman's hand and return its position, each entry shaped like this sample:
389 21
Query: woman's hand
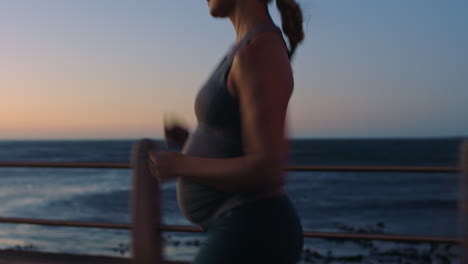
162 164
175 136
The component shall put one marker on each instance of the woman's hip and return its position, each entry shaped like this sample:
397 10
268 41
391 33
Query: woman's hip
269 228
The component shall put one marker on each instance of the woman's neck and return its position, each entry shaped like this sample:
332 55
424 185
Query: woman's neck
246 15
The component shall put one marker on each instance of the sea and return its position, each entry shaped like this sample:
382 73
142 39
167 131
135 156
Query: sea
399 203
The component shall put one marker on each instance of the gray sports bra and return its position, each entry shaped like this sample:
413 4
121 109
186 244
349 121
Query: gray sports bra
217 135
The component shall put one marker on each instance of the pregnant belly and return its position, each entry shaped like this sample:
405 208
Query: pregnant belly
198 201
211 143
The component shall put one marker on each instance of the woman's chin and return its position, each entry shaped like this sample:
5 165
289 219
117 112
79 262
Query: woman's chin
216 13
217 10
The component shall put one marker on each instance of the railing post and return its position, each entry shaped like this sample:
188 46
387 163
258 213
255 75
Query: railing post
463 202
145 207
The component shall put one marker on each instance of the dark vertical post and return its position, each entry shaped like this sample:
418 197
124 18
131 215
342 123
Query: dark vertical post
463 202
145 207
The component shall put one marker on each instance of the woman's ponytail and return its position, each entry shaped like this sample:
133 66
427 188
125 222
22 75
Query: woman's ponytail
291 17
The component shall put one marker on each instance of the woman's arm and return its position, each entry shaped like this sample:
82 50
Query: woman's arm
262 78
239 174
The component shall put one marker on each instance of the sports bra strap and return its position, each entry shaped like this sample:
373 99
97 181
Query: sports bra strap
250 34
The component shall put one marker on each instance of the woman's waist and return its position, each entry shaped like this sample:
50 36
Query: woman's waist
239 200
203 204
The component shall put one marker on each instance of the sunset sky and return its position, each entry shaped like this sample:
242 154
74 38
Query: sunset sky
109 69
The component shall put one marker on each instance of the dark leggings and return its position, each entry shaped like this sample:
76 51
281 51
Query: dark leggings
263 231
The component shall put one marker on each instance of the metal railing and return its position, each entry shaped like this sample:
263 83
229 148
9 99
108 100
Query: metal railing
180 228
96 165
177 228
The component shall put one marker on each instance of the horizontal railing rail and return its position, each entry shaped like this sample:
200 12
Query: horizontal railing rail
181 228
97 165
77 165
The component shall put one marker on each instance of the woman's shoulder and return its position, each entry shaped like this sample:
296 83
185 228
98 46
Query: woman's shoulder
264 51
263 60
265 42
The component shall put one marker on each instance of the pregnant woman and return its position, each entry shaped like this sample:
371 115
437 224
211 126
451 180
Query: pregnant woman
230 170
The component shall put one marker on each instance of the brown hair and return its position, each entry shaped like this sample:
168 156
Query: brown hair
291 17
